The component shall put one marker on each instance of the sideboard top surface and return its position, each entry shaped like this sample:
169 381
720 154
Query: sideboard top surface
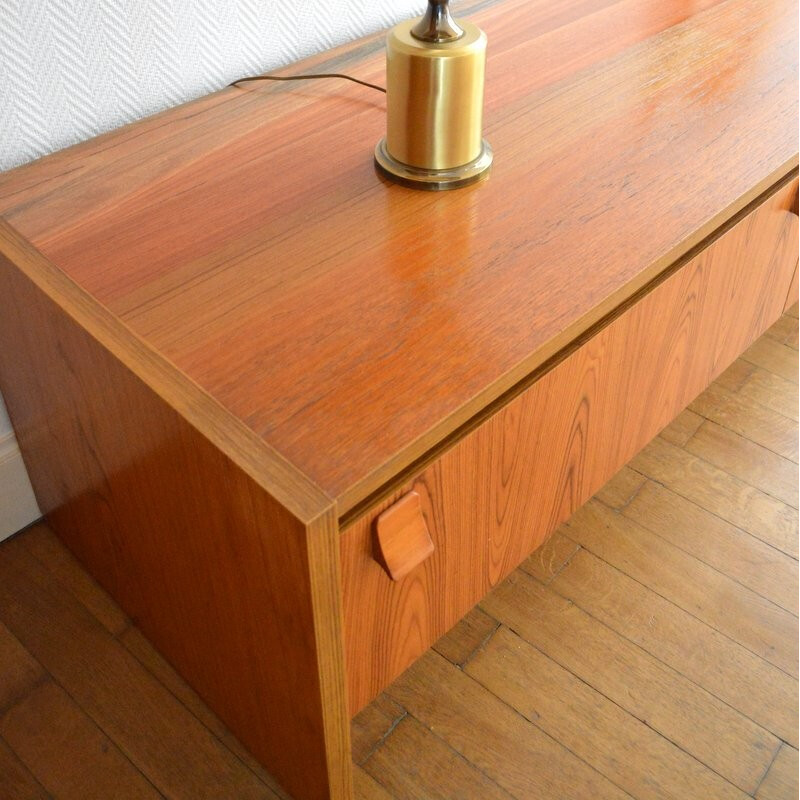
353 324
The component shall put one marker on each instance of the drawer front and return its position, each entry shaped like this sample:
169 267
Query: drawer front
495 496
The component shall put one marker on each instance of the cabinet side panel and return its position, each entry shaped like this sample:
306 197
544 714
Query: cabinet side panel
218 574
501 490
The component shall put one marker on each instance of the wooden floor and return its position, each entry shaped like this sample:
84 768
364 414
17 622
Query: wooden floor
648 651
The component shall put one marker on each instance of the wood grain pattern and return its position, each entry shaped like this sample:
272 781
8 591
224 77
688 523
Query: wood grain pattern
402 539
20 672
758 422
67 572
598 110
547 561
672 704
756 623
682 428
766 389
372 725
110 685
42 729
739 678
412 742
621 489
781 782
762 516
516 718
735 376
783 330
66 576
174 331
520 758
628 751
761 468
365 787
726 547
130 493
495 496
466 637
773 357
18 783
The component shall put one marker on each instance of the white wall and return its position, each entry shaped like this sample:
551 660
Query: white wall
70 69
17 504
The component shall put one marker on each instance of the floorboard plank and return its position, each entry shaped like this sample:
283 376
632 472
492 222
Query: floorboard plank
163 740
468 635
546 562
152 661
781 783
439 771
20 672
519 757
372 724
784 330
730 672
720 493
707 594
621 489
774 357
773 392
44 545
47 728
754 421
682 428
734 377
667 701
16 781
752 463
769 572
365 787
635 757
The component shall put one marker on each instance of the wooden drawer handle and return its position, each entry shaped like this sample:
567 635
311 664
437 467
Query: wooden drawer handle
402 539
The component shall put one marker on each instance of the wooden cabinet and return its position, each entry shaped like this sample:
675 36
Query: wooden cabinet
228 347
497 493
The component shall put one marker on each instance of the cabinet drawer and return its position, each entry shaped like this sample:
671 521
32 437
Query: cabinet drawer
496 494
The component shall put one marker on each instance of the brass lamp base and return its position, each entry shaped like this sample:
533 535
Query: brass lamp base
434 180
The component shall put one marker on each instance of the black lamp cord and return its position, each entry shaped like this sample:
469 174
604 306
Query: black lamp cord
307 78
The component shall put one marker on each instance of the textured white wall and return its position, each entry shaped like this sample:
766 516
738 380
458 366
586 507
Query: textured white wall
71 69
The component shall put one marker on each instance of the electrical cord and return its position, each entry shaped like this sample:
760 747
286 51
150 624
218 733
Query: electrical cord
313 76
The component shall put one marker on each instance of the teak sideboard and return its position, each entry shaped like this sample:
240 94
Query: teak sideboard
298 420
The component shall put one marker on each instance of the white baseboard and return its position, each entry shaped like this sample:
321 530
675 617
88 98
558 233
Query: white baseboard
18 506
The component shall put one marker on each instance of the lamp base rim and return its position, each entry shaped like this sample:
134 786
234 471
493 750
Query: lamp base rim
433 180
